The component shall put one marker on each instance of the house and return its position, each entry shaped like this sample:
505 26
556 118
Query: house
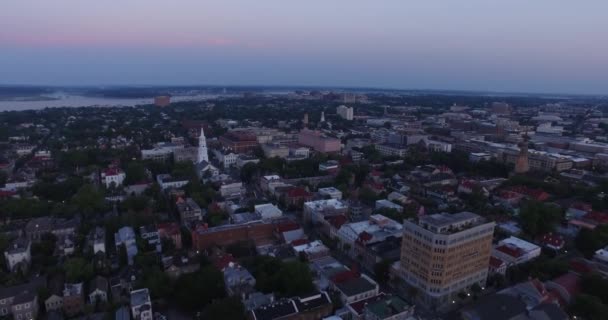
387 308
330 193
166 181
73 299
189 211
55 300
171 231
98 290
381 204
353 287
600 259
268 211
21 300
18 255
511 308
149 233
497 266
238 280
25 305
296 196
126 237
113 177
37 227
141 305
97 240
312 251
515 251
177 265
315 306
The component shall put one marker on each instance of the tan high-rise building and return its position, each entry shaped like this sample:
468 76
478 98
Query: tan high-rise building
445 254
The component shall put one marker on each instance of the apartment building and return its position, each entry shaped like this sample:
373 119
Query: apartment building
444 254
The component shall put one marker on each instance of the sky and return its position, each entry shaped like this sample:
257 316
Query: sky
552 46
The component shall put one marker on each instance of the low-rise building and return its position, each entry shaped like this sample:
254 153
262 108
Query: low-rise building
238 280
126 237
189 211
113 177
18 255
98 290
515 251
391 150
141 305
73 299
330 192
268 211
166 181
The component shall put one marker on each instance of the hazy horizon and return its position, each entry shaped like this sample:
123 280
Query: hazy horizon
516 46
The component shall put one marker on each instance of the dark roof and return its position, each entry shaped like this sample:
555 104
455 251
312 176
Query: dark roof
497 307
100 283
552 311
7 292
25 296
312 301
355 286
276 310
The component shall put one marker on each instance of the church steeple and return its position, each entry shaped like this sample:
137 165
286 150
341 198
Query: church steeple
202 148
522 165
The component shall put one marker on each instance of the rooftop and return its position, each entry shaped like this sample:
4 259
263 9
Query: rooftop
450 223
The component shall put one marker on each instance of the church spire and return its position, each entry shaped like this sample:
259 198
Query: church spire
202 148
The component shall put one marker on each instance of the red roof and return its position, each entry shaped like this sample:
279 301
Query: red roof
298 192
496 263
6 194
287 226
299 242
597 217
344 276
511 250
469 184
536 194
581 266
169 228
337 221
223 261
364 236
581 206
112 171
571 282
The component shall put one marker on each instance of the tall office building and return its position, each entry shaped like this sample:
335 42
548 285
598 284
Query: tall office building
345 112
445 254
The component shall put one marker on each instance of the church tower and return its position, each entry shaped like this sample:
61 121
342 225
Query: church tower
202 148
522 165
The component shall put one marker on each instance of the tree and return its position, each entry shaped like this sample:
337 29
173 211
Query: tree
227 309
588 307
595 285
538 218
382 271
198 289
89 200
589 241
295 279
78 270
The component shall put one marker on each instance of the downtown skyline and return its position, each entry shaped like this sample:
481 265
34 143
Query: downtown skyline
503 47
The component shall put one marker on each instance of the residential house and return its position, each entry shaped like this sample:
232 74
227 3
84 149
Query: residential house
189 211
21 300
515 251
73 299
141 305
238 280
18 255
171 231
149 233
126 237
98 290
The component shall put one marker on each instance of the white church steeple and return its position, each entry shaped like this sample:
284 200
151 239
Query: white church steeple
202 148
